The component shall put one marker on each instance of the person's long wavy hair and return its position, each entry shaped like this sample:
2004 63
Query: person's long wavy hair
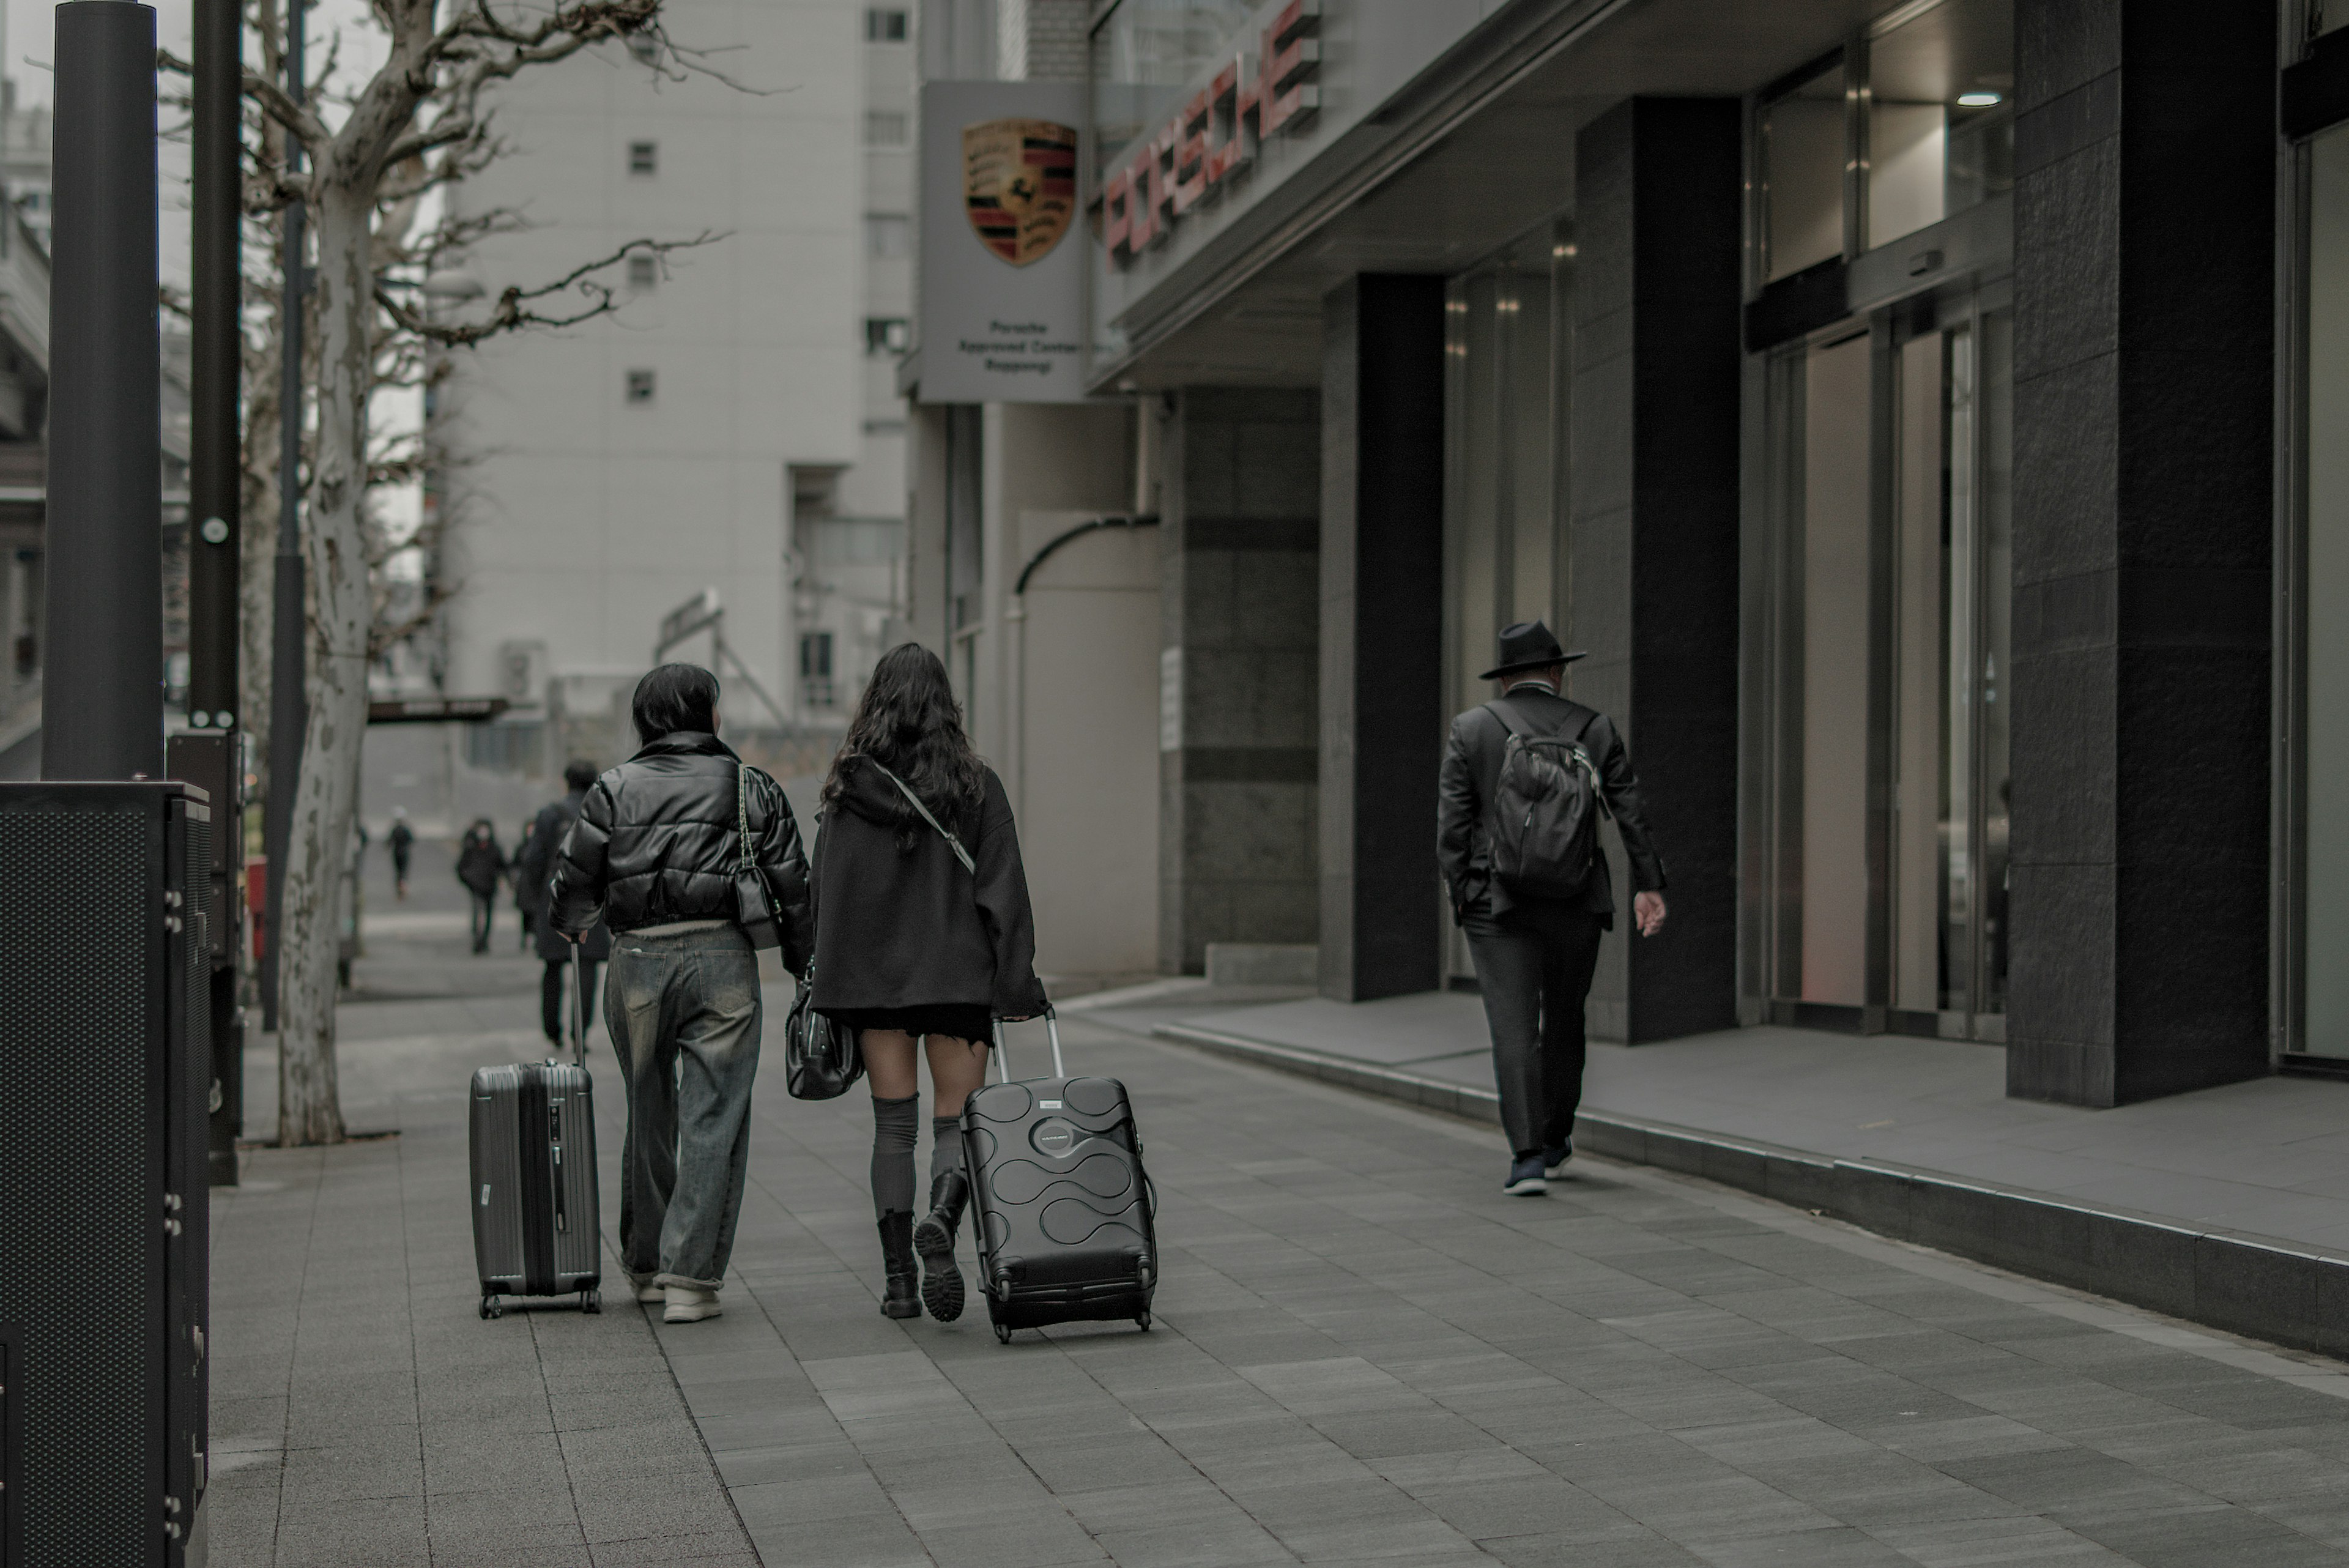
909 722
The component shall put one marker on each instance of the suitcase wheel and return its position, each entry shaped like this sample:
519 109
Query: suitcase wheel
1002 1333
1141 1319
491 1306
591 1300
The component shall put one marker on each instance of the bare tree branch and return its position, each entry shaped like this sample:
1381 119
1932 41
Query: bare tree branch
513 312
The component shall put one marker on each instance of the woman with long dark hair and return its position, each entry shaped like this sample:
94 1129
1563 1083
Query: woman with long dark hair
913 946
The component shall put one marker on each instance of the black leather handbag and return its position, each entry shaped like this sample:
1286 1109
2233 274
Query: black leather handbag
822 1060
754 901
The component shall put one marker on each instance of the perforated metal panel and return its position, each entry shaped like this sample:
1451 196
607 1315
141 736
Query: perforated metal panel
81 991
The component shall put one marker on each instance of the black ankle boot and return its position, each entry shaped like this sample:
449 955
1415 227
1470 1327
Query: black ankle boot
934 1238
897 1257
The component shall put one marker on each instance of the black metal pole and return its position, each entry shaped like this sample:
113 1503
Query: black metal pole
102 680
214 497
288 711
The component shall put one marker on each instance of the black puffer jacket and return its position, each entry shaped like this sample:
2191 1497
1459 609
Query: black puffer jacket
657 842
903 924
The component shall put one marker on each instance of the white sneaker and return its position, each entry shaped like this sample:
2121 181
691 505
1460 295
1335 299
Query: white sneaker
651 1293
690 1303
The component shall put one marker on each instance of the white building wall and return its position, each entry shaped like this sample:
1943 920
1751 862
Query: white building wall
583 517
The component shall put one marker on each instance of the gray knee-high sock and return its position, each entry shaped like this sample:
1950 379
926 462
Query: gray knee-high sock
946 1147
895 1126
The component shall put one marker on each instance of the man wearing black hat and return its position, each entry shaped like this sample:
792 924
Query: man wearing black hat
1534 924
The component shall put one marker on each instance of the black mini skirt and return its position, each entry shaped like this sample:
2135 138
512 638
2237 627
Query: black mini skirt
956 1020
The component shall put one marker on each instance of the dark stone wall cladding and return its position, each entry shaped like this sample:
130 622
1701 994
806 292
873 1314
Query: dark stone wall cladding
2144 494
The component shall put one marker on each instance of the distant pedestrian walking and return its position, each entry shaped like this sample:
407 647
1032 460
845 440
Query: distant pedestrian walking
1525 780
911 946
533 874
403 839
655 849
481 866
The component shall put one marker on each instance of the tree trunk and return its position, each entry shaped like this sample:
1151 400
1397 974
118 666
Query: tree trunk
326 802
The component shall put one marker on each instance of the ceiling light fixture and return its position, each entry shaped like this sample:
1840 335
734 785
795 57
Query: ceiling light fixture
1977 99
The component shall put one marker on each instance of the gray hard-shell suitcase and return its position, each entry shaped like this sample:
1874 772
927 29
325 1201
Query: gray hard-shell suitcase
1060 1206
537 1224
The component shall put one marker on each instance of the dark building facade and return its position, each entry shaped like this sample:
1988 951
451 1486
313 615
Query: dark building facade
1925 415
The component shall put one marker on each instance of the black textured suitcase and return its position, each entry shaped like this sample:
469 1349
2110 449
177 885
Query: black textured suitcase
1060 1205
537 1229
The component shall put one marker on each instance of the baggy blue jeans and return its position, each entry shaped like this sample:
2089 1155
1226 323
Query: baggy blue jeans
684 1014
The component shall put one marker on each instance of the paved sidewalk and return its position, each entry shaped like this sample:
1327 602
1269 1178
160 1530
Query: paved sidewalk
362 1412
1364 1353
2268 1157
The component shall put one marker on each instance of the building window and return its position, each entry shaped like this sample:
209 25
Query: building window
885 334
640 386
884 127
816 686
644 273
884 25
887 235
644 159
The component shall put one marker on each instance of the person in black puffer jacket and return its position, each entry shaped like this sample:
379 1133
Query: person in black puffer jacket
655 851
912 946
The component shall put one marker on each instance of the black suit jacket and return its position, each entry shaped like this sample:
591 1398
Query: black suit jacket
1472 766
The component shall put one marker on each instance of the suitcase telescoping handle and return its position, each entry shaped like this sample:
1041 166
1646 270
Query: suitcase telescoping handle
578 1010
1052 1031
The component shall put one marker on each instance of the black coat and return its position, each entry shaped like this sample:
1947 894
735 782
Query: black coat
1471 767
480 862
534 879
657 842
908 927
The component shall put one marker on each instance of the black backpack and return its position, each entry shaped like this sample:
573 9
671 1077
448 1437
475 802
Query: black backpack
1543 826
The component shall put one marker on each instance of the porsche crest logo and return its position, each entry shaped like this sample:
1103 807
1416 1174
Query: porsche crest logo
1019 185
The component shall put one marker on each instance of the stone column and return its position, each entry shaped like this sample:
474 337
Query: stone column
1654 536
2143 423
1382 635
1239 526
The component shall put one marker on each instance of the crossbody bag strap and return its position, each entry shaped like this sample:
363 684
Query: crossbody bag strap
742 812
915 801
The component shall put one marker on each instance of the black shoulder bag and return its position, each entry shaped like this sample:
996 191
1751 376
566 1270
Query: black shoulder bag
822 1060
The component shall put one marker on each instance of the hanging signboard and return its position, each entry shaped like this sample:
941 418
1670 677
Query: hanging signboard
1002 268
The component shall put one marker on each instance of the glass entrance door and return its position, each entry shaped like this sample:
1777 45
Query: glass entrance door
1890 589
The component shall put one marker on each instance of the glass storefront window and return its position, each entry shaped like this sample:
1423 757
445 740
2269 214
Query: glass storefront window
1803 163
2324 607
1505 422
1940 118
1890 473
1148 54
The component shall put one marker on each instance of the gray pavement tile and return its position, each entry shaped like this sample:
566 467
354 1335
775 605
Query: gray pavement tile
1714 1508
517 1514
844 1495
502 1549
1384 1434
386 1530
1803 1549
1644 1549
2074 1483
2212 1538
799 1462
1238 1543
2320 1516
701 1548
1140 1460
1038 1540
1977 1543
768 1430
1523 1505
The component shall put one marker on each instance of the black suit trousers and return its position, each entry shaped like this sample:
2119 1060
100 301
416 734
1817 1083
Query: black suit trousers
1533 965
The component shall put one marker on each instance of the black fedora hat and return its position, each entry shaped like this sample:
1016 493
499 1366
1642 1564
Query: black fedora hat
1527 645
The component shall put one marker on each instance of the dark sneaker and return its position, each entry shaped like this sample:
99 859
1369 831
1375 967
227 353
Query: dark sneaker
1554 1160
1526 1177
